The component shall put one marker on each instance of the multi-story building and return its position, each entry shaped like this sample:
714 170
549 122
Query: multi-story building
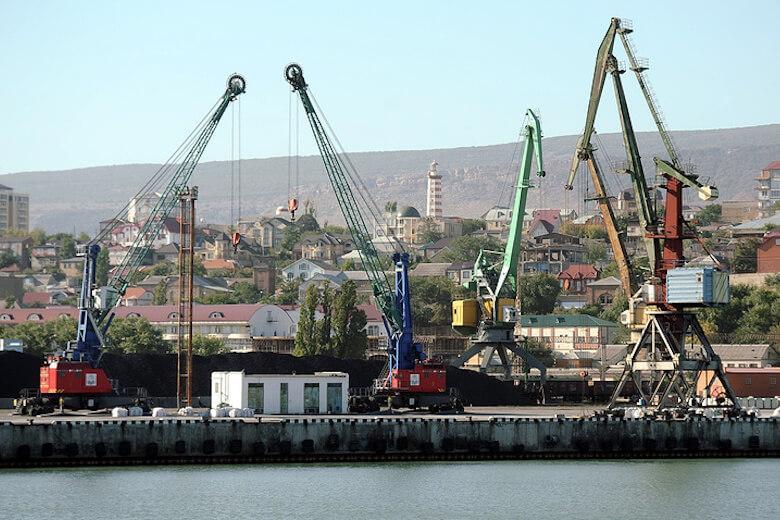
768 188
567 332
14 209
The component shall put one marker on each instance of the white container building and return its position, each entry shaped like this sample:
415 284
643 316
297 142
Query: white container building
318 393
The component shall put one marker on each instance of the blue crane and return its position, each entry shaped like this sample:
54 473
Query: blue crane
96 303
410 379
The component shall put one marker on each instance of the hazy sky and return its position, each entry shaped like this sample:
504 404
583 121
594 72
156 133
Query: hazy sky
109 82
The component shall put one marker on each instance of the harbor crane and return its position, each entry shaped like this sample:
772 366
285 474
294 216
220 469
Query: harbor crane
75 377
492 318
410 379
670 361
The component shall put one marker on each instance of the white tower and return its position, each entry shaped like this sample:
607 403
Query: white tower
434 192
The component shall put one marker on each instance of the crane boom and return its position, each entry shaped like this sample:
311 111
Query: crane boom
533 143
406 373
350 209
95 305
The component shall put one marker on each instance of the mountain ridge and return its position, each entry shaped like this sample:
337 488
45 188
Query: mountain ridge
473 177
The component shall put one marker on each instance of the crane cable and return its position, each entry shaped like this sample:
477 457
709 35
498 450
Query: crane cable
160 177
369 203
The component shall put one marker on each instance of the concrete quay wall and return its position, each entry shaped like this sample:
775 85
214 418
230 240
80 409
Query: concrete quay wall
175 441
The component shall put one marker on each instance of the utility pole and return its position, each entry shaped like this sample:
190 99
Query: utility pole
187 198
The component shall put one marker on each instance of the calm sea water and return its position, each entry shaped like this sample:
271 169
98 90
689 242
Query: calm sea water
686 489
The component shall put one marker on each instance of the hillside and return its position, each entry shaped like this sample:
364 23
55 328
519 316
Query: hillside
473 177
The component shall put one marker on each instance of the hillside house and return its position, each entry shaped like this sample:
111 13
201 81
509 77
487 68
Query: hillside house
768 253
72 267
325 247
602 292
44 257
576 277
568 332
21 247
552 253
305 268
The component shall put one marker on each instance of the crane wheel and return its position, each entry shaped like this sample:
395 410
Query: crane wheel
237 84
293 73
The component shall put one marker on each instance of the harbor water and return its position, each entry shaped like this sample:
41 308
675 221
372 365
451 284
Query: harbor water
637 489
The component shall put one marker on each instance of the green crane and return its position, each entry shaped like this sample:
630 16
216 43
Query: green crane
493 314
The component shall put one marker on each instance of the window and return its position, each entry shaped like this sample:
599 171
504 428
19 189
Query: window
256 396
283 398
216 315
748 380
304 267
173 316
133 315
34 317
311 398
772 381
6 317
334 397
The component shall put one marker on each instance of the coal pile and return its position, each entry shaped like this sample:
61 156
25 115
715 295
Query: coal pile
476 389
18 371
157 373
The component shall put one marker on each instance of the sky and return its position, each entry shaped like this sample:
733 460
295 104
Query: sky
112 82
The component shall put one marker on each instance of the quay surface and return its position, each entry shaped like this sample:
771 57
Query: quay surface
93 440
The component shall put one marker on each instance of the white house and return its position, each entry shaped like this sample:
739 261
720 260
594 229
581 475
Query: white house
305 268
318 393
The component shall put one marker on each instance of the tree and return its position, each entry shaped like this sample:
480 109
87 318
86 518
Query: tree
540 351
471 225
102 267
208 346
135 336
429 231
432 299
160 295
38 236
164 268
37 338
612 311
467 248
349 338
595 252
67 247
198 269
292 235
322 327
287 294
538 293
10 301
391 206
7 258
708 215
745 256
307 223
305 341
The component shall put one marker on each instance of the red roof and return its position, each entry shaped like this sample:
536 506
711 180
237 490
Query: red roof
372 313
218 263
160 313
32 298
774 165
578 272
14 316
133 293
772 234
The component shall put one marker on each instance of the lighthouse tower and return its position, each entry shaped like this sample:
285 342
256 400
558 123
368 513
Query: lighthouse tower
434 192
